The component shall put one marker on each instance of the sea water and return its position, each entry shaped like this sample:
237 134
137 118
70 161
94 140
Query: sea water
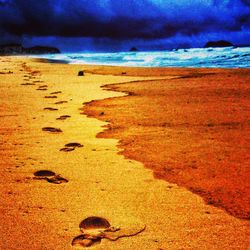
228 57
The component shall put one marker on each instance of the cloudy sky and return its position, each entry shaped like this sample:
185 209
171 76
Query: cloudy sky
111 25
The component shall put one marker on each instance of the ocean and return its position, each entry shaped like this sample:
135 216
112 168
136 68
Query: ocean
228 57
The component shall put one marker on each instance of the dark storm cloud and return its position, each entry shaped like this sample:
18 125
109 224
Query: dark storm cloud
246 2
122 19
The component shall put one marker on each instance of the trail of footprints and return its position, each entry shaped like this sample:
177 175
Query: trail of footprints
32 78
93 229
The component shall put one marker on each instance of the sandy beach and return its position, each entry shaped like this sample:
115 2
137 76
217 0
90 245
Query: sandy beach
121 152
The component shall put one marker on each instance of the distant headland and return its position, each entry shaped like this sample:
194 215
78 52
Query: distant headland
18 49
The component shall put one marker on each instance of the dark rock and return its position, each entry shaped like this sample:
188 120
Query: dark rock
81 73
18 49
41 50
133 49
11 49
220 43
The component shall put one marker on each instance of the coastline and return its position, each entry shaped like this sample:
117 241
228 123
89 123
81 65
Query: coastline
101 182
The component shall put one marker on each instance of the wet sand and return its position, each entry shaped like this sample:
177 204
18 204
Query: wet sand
55 172
192 130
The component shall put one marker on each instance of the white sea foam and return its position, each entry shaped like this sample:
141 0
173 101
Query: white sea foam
206 57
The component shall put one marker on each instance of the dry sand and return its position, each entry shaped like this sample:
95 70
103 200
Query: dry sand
37 214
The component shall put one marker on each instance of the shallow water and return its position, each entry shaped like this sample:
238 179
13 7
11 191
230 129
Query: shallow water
229 57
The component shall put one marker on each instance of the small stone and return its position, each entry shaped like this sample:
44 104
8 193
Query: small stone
81 73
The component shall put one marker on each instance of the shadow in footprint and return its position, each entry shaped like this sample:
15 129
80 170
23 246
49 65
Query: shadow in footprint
74 145
28 84
49 176
42 87
50 96
63 117
50 109
52 130
71 146
44 173
67 149
57 179
94 222
61 102
81 241
56 92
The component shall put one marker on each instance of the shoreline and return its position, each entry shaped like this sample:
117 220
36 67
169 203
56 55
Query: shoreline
194 58
100 181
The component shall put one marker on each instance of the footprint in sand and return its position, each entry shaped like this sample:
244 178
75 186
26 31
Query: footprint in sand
50 96
50 109
74 144
42 87
27 84
94 229
67 149
52 130
63 117
56 92
57 179
44 173
61 102
71 146
49 176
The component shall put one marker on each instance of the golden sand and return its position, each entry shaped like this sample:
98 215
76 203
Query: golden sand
42 128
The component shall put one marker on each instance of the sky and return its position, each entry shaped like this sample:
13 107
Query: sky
117 25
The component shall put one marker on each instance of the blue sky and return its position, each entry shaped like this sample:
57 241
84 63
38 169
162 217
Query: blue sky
119 24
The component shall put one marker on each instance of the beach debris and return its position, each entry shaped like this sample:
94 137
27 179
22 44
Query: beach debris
81 73
94 229
63 117
51 129
71 146
49 176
